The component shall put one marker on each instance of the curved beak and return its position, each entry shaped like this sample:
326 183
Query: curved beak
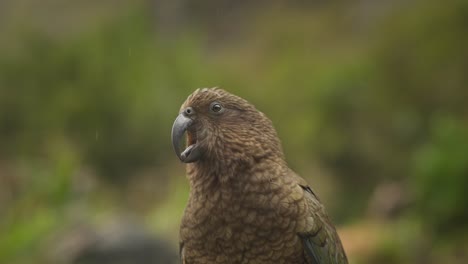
192 152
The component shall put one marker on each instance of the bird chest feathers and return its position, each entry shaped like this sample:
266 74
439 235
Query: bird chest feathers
244 218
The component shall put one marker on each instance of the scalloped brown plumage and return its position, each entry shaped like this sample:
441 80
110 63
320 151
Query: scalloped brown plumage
245 205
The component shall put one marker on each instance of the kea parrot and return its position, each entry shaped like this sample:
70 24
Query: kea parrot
245 204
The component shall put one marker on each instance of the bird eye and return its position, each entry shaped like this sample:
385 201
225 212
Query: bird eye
216 107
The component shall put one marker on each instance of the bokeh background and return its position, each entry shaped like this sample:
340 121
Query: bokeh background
368 97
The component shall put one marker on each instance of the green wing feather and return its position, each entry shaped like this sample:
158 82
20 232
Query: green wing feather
322 244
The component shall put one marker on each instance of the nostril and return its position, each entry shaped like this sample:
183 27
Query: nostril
188 111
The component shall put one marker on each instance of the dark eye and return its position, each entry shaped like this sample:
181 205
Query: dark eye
216 107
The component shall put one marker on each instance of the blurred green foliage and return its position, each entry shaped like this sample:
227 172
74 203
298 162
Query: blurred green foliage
97 92
361 93
440 177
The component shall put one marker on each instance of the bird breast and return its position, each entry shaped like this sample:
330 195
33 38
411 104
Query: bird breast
250 219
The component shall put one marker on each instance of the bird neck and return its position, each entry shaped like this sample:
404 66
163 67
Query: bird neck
206 176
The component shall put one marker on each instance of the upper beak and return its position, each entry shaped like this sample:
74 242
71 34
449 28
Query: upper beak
192 152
